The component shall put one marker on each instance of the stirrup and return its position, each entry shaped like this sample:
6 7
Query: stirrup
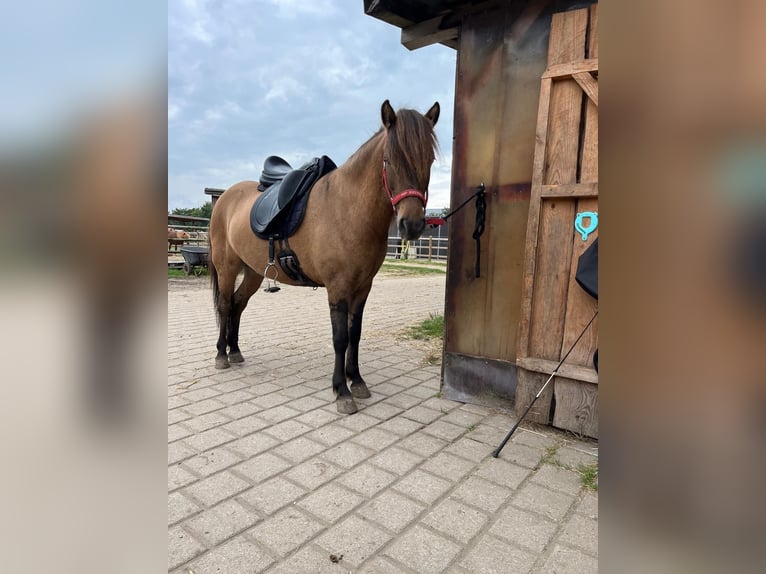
271 283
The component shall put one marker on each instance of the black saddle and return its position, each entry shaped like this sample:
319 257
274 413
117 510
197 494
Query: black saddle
279 210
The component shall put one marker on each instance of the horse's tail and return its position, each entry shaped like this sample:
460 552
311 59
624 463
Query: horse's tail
213 279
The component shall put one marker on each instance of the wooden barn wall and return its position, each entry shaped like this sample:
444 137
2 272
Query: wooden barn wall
501 56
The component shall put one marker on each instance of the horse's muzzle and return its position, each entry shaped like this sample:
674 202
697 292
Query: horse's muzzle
411 228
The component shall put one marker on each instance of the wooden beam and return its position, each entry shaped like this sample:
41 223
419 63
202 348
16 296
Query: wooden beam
568 69
427 33
588 84
566 370
570 190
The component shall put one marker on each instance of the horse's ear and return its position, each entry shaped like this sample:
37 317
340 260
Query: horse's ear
433 113
387 114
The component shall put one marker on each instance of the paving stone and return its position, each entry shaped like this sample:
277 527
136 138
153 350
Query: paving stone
574 458
235 397
182 547
448 466
313 473
469 448
261 467
347 454
481 493
199 395
522 455
552 504
533 439
569 561
445 430
278 414
208 421
331 502
180 507
375 439
462 418
299 449
396 460
286 530
317 418
388 389
501 472
212 461
177 415
400 426
309 560
420 391
205 406
423 486
247 425
178 451
253 444
588 506
287 430
556 478
331 434
379 565
223 521
357 539
391 510
239 555
367 479
582 532
178 477
524 528
270 496
489 553
402 401
421 414
424 551
265 388
358 422
382 411
209 439
266 402
178 431
422 444
487 434
212 490
457 520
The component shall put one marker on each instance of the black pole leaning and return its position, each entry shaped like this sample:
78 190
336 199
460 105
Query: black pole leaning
540 392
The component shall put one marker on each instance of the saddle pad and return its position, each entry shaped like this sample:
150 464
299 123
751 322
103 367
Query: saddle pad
280 209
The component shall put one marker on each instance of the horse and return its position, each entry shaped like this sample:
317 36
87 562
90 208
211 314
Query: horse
341 242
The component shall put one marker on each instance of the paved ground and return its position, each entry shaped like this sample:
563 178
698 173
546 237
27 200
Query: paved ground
265 476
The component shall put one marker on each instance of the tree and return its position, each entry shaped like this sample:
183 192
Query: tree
203 211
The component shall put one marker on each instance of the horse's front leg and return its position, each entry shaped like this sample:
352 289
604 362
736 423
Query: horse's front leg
344 402
358 387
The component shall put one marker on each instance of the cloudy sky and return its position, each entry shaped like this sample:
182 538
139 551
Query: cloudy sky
296 78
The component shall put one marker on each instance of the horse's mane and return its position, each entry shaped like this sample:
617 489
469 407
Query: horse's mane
411 144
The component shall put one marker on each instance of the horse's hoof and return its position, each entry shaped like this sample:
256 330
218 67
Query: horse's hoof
236 357
346 405
222 363
360 391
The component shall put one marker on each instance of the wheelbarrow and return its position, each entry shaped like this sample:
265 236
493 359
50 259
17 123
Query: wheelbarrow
194 257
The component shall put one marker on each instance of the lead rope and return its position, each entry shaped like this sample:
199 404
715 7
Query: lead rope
478 230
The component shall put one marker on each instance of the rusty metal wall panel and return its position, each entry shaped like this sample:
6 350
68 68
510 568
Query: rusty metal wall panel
501 56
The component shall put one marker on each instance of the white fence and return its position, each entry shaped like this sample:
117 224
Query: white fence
428 248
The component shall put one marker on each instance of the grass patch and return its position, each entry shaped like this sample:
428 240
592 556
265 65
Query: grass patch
410 269
431 328
588 475
176 273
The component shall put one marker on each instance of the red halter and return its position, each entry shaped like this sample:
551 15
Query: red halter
404 194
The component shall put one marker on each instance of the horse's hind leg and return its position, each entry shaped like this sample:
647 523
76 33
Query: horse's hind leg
358 387
241 296
223 275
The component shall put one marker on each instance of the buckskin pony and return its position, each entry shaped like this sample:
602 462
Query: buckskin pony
341 242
